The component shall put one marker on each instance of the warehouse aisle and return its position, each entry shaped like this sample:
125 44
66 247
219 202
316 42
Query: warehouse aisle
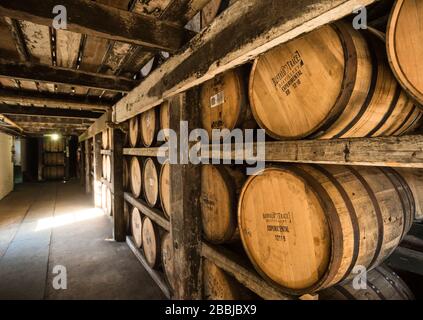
45 227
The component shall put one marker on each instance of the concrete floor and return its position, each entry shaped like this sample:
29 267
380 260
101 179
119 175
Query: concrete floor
54 224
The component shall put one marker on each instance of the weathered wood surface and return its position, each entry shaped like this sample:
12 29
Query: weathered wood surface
404 151
94 19
152 213
97 171
158 277
53 100
145 152
185 194
245 275
97 127
60 75
257 26
48 112
119 223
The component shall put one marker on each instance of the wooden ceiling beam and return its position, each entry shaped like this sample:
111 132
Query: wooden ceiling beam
48 112
58 75
35 120
54 100
94 19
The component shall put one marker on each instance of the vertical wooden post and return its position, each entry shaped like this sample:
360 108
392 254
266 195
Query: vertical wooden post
97 170
119 230
40 159
87 167
67 154
185 202
81 162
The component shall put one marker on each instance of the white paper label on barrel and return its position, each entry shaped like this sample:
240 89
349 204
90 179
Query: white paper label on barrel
217 99
151 182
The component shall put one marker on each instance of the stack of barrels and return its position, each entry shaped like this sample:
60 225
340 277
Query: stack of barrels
307 228
106 193
53 159
148 182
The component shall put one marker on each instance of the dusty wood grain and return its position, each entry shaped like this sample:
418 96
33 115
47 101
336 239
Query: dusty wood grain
91 18
53 100
58 75
245 275
48 112
258 25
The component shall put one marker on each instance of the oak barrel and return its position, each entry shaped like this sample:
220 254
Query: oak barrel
136 177
334 82
414 179
134 132
224 102
220 188
136 227
164 188
165 118
306 227
105 139
382 284
151 242
167 260
149 121
405 46
218 285
150 182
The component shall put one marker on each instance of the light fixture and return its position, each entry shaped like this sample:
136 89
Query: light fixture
55 137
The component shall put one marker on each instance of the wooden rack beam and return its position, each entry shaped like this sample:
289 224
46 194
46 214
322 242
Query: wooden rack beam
97 127
53 100
94 19
404 151
245 275
155 275
59 75
154 214
242 32
146 152
106 152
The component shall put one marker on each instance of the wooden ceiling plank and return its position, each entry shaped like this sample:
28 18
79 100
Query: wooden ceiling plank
44 73
52 100
91 18
48 112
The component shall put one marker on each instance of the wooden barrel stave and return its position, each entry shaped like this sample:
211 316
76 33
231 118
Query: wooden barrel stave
134 132
382 284
218 285
136 227
167 260
404 52
220 187
151 242
362 97
149 122
367 212
136 177
150 182
164 189
224 102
